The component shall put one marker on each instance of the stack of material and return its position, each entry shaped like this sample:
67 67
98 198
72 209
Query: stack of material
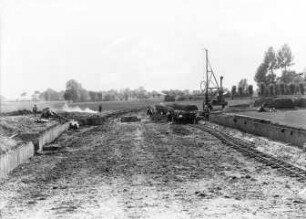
130 119
184 107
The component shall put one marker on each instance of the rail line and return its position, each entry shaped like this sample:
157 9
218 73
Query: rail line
248 149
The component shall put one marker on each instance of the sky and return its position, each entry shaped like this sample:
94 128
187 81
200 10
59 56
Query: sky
156 44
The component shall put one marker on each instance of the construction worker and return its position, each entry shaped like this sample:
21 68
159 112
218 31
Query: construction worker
35 109
206 112
100 108
262 108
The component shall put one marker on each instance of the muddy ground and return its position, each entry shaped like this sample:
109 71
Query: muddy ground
146 170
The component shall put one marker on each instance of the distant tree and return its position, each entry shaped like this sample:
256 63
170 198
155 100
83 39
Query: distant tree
240 91
73 90
289 77
35 95
126 94
23 94
262 89
286 89
108 97
271 89
284 57
243 83
234 91
271 59
92 95
169 98
84 95
265 71
282 88
292 88
141 93
302 88
250 90
99 96
277 89
49 95
261 74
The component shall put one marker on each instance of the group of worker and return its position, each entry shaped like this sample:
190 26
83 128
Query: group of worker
263 109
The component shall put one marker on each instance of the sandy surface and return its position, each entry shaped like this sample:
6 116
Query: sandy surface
147 170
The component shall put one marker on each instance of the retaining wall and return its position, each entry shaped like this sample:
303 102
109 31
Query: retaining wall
22 152
49 135
18 155
261 127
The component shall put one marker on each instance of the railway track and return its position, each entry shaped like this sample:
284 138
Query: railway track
248 149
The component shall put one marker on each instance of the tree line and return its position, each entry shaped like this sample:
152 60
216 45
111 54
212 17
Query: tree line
278 63
242 90
76 93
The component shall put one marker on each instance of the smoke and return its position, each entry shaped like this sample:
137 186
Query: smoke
66 108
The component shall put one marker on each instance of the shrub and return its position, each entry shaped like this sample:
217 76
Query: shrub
181 98
262 89
267 101
292 88
250 90
240 91
283 103
300 102
277 89
271 89
282 88
233 91
286 89
169 98
302 88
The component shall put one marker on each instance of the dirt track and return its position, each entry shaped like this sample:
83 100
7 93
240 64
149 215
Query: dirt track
146 170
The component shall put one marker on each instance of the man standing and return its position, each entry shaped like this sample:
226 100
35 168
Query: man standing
100 108
35 109
206 111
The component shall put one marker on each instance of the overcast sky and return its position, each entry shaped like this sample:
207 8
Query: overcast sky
156 44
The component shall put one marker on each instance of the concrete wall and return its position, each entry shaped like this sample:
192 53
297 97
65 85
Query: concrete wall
261 127
50 135
11 159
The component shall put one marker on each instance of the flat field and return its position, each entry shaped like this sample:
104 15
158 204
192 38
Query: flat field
294 118
8 106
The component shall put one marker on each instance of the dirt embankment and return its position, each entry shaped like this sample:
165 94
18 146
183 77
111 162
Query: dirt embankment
11 125
146 170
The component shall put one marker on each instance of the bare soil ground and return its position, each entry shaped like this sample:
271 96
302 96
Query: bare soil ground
147 170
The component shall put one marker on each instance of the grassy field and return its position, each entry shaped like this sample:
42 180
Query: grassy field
7 106
294 118
58 105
